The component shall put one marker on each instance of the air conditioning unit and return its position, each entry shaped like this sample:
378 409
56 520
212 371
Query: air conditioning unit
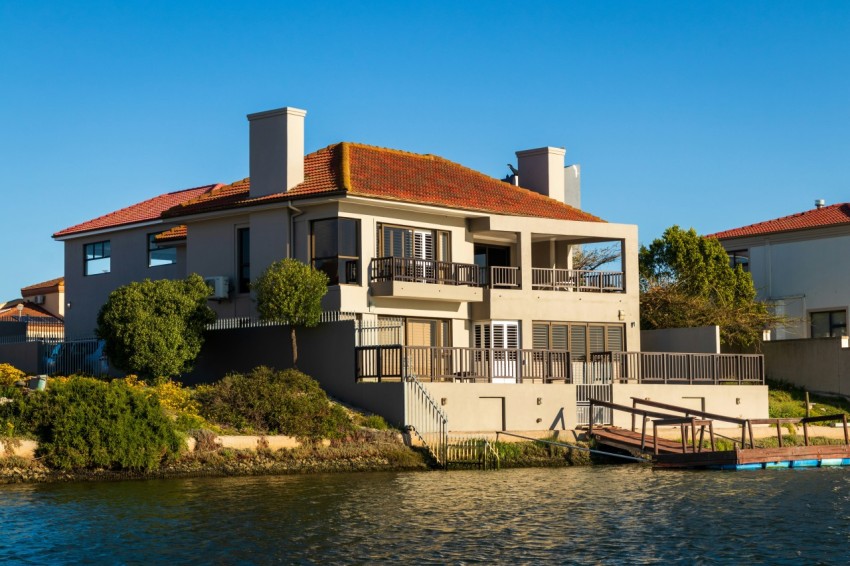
38 299
219 286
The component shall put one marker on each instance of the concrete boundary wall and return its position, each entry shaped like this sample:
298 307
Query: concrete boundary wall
22 355
701 340
818 364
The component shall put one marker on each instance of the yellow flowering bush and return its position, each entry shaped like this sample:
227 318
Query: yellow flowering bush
9 374
178 401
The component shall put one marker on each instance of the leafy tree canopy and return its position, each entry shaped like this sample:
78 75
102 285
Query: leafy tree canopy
291 292
686 281
155 328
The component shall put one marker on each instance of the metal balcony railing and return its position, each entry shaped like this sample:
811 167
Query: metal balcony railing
424 271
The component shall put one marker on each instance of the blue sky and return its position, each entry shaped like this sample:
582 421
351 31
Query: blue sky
710 115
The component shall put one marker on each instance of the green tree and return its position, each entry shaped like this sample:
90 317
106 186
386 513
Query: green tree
155 328
686 281
291 292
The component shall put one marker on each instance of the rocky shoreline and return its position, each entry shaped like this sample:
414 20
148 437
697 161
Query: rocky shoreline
372 452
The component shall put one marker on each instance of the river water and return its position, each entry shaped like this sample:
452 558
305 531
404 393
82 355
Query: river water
587 515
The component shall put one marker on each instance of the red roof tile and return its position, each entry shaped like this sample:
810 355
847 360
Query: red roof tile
388 174
150 209
358 170
52 286
816 218
172 234
9 311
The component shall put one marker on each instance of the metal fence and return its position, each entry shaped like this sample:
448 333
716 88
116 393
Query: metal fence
76 357
233 323
31 329
426 419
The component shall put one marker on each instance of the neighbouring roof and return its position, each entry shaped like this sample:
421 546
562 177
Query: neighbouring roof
150 209
45 287
174 234
357 170
831 215
9 311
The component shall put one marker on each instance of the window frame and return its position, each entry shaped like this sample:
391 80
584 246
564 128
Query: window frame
243 259
106 253
350 263
154 246
832 325
441 242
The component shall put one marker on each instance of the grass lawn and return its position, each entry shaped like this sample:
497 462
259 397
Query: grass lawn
786 401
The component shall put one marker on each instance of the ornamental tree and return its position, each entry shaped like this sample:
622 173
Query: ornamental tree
291 292
686 281
155 328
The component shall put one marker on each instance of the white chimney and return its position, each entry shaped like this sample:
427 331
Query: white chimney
572 185
276 150
542 171
819 203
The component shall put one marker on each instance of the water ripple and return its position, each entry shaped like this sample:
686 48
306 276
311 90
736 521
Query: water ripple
611 515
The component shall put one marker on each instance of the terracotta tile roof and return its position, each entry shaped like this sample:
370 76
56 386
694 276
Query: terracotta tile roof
832 215
146 210
359 170
52 286
388 174
172 234
9 311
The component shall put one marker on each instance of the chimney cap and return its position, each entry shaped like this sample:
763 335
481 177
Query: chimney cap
276 112
819 203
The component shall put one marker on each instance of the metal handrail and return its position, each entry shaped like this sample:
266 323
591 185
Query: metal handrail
424 271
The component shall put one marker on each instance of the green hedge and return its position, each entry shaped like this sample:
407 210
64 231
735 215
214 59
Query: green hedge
83 422
267 401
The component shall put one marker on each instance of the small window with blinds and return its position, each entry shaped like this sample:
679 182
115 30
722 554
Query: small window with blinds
418 243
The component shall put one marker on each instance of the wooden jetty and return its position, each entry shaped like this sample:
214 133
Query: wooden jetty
697 427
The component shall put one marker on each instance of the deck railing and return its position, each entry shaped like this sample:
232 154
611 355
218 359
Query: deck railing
577 280
667 367
424 271
471 365
500 277
506 365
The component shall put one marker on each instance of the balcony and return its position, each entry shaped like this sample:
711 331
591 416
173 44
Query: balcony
577 280
511 365
425 279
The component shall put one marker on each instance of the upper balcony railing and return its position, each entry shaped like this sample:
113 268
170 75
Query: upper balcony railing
577 280
494 277
424 271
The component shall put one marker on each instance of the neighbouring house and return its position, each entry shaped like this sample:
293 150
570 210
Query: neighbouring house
800 266
37 315
442 279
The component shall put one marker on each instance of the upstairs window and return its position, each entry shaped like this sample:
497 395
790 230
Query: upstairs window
335 249
243 259
160 255
740 257
401 241
97 258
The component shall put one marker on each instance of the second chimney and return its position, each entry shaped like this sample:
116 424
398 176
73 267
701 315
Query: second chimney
276 147
542 171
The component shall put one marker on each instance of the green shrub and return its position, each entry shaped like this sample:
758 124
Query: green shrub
273 402
374 421
83 422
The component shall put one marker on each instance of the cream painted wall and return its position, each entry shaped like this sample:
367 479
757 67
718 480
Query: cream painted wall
476 406
739 401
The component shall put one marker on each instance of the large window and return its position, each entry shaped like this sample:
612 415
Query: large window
97 258
336 249
243 259
829 324
160 255
402 241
